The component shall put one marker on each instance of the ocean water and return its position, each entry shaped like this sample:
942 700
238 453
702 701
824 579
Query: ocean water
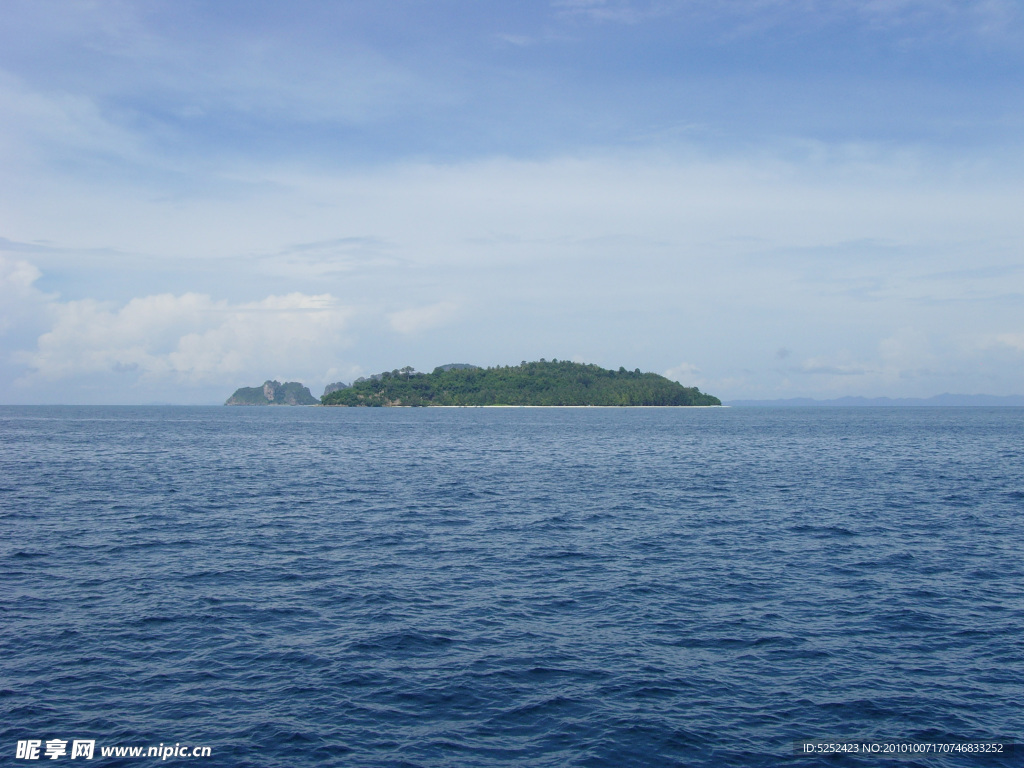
497 587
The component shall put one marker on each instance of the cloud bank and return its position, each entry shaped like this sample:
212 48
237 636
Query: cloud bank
164 340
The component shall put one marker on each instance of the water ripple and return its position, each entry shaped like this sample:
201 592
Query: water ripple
608 587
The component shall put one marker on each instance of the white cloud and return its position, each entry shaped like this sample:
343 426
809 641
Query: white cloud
416 319
686 374
16 276
191 338
995 341
19 297
1011 340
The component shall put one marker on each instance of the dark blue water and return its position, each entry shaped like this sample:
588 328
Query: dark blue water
490 587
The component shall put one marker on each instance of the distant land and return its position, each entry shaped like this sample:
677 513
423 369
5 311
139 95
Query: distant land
542 383
945 400
273 393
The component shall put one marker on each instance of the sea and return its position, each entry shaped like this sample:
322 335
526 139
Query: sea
511 586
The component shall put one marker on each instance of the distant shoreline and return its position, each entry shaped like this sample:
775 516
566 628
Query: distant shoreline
677 407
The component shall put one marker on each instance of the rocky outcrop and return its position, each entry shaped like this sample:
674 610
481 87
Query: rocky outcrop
273 393
335 387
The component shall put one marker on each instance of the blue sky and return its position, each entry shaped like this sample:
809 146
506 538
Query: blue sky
765 198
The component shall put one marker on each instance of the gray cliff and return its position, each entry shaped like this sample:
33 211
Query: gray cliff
273 393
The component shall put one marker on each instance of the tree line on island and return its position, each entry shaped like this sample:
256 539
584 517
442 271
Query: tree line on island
551 383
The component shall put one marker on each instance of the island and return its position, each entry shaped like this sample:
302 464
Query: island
554 383
273 393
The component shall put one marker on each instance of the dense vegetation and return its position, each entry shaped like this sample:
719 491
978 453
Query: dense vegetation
542 383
